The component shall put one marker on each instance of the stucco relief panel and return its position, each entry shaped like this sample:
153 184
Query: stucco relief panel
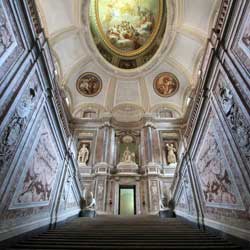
11 46
37 181
214 171
241 45
11 133
235 118
7 40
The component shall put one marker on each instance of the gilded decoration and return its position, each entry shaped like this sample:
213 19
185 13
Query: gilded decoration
89 84
166 84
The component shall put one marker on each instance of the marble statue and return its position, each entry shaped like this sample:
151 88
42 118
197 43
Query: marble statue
91 201
128 156
83 154
164 203
171 154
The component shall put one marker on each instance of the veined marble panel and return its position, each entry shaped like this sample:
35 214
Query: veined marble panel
235 118
38 179
189 193
241 45
181 202
14 127
216 180
11 46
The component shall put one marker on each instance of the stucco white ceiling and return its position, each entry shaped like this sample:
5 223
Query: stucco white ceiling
189 25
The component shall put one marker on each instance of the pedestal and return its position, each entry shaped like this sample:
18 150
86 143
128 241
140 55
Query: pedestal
167 213
87 213
127 167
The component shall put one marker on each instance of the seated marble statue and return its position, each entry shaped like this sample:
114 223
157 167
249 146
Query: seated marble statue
128 156
83 155
164 203
171 154
91 202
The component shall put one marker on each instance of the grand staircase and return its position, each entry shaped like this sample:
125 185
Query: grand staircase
138 232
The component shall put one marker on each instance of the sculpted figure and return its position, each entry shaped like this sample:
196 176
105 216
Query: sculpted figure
83 155
91 201
171 154
128 156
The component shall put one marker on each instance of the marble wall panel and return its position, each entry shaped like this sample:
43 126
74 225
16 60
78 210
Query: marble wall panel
224 191
156 146
30 192
14 126
181 200
213 170
11 46
99 153
68 198
189 193
236 119
241 44
100 194
36 183
154 195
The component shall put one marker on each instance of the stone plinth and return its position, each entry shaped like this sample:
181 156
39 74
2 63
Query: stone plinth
127 167
167 213
87 213
169 170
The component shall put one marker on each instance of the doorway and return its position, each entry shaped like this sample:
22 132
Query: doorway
127 200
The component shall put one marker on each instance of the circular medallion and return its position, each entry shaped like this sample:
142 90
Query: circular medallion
89 84
166 84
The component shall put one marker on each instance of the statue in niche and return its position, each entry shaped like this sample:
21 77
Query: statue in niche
171 158
128 156
83 155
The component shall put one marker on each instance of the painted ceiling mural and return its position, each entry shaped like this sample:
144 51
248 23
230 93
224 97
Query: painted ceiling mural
127 32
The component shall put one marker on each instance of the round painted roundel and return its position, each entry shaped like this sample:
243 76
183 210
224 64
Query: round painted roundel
166 84
127 30
89 84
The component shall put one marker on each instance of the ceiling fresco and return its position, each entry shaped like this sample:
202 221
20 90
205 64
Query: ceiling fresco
127 32
153 74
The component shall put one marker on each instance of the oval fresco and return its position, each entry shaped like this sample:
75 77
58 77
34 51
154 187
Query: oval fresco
128 27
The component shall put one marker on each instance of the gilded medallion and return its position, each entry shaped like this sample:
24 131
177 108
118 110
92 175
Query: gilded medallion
166 84
89 84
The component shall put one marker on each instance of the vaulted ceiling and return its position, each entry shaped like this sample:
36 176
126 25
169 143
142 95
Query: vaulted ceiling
128 94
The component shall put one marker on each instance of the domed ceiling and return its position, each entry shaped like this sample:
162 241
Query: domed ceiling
128 59
127 32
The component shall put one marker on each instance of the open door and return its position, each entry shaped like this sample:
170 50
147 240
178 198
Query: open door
127 200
